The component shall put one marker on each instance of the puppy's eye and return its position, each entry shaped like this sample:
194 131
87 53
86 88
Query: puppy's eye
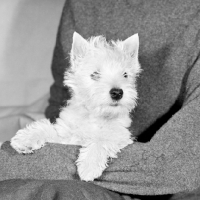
125 75
95 76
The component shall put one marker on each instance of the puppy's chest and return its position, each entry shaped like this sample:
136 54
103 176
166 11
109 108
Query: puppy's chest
89 126
84 125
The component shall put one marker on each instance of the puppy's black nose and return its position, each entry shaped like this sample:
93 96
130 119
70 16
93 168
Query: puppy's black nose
116 93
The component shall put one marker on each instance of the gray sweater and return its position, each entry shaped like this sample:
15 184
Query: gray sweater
167 119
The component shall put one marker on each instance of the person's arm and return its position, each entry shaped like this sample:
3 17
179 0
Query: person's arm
170 162
58 93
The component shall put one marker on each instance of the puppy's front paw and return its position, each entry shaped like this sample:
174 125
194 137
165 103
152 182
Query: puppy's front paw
89 171
92 161
26 142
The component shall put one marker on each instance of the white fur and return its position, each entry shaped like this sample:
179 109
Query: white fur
92 118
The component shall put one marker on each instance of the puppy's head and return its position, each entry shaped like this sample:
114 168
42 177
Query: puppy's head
102 76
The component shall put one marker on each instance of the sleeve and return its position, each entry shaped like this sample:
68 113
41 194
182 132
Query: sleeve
58 93
170 162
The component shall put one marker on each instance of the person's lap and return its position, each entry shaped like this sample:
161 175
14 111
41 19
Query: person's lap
28 189
54 189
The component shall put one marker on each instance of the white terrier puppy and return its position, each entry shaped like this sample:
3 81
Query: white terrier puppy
102 79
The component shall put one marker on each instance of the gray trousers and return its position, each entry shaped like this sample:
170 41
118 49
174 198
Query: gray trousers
17 189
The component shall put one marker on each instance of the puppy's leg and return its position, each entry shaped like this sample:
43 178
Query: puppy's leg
34 136
92 161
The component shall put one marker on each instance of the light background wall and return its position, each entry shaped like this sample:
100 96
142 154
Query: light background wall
27 37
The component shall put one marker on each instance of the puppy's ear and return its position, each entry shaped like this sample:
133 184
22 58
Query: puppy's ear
131 45
79 45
